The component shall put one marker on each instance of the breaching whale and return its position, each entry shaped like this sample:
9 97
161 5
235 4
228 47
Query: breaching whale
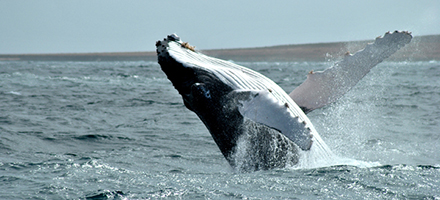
255 123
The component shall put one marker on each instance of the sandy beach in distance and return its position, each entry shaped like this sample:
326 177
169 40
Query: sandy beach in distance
421 48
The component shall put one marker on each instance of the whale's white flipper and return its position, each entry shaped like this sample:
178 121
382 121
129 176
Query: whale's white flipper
322 88
262 107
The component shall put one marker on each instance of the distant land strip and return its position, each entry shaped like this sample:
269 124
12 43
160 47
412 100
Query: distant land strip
421 48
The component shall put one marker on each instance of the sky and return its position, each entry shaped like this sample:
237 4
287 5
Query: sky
83 26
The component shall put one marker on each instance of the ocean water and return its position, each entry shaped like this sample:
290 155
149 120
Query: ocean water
119 130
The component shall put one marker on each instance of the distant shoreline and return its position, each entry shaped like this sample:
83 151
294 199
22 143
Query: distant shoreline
421 48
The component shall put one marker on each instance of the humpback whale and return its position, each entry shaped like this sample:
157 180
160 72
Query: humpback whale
255 123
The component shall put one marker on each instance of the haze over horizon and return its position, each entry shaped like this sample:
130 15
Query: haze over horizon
118 26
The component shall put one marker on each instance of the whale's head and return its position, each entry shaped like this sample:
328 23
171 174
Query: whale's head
199 86
202 90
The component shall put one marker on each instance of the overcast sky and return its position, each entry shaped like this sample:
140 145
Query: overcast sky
69 26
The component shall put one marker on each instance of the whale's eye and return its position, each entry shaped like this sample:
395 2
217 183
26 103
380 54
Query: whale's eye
202 90
207 94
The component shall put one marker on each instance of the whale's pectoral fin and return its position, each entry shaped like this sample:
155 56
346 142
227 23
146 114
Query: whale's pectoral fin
322 88
263 108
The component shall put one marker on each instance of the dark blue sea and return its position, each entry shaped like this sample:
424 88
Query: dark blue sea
119 130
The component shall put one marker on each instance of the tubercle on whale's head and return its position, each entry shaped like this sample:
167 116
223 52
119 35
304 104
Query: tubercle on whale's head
161 46
173 37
